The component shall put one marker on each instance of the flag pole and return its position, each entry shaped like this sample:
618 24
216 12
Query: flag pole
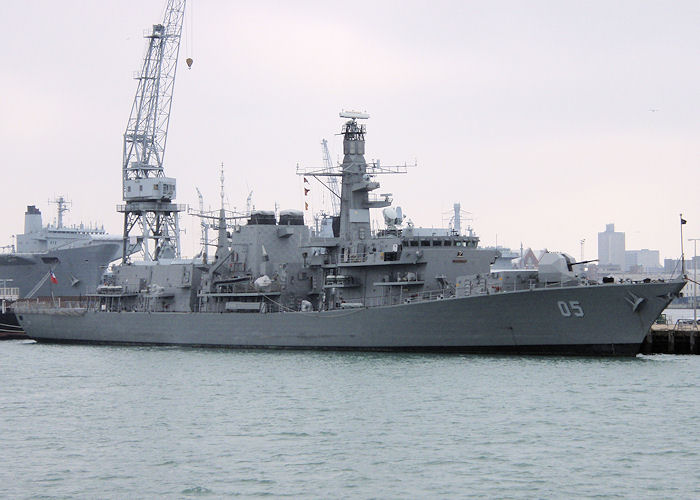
51 278
682 254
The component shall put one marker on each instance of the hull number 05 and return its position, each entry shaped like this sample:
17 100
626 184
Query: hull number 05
571 308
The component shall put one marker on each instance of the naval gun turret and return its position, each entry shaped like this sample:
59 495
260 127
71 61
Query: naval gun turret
556 267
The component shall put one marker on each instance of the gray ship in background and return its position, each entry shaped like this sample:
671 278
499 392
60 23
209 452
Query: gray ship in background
275 283
51 261
77 255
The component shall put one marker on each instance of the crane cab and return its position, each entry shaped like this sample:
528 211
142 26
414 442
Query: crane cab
150 188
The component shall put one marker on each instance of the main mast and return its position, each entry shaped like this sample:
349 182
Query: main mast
356 182
150 217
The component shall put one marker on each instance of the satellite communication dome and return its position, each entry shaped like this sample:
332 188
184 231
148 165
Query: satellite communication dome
392 216
262 282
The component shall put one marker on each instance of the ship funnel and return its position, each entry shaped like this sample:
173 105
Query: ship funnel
32 219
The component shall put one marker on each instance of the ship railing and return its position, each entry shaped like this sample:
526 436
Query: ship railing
497 287
428 295
500 287
348 258
355 257
379 198
9 293
36 305
686 324
251 288
407 298
484 286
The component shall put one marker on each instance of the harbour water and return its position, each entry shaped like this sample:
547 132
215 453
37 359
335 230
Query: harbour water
118 422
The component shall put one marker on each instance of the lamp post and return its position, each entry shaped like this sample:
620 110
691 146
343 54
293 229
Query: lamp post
695 279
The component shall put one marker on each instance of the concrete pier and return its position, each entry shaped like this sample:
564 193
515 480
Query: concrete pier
672 339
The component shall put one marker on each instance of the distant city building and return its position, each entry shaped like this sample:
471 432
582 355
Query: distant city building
693 264
611 249
673 266
644 260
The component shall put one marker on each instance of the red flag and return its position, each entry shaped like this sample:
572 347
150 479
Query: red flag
306 191
53 278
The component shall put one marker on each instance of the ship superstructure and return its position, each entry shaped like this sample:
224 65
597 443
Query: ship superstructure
393 265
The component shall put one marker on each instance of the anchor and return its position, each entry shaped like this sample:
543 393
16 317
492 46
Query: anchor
634 300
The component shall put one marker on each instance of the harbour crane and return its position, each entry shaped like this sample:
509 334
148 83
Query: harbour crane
151 226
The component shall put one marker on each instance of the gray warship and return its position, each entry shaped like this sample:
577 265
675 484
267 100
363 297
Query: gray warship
53 260
273 282
77 255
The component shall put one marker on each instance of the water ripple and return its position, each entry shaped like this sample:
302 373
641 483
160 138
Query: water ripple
83 421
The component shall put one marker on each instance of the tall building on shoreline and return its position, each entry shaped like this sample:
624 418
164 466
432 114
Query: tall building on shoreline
611 249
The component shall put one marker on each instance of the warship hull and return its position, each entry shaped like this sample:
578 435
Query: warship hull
596 320
9 327
78 270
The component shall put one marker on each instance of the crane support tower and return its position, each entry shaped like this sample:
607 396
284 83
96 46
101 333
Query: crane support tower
151 226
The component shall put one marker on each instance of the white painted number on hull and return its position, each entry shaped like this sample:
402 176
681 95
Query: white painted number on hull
567 309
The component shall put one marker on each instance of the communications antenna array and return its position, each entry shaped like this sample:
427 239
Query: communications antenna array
205 227
61 207
151 225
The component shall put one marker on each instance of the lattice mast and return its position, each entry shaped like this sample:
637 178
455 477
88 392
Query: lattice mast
204 240
61 207
150 218
332 181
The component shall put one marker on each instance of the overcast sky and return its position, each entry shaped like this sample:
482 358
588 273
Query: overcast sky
546 120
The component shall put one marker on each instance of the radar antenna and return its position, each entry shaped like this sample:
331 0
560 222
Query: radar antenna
61 207
147 192
249 203
204 226
456 220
